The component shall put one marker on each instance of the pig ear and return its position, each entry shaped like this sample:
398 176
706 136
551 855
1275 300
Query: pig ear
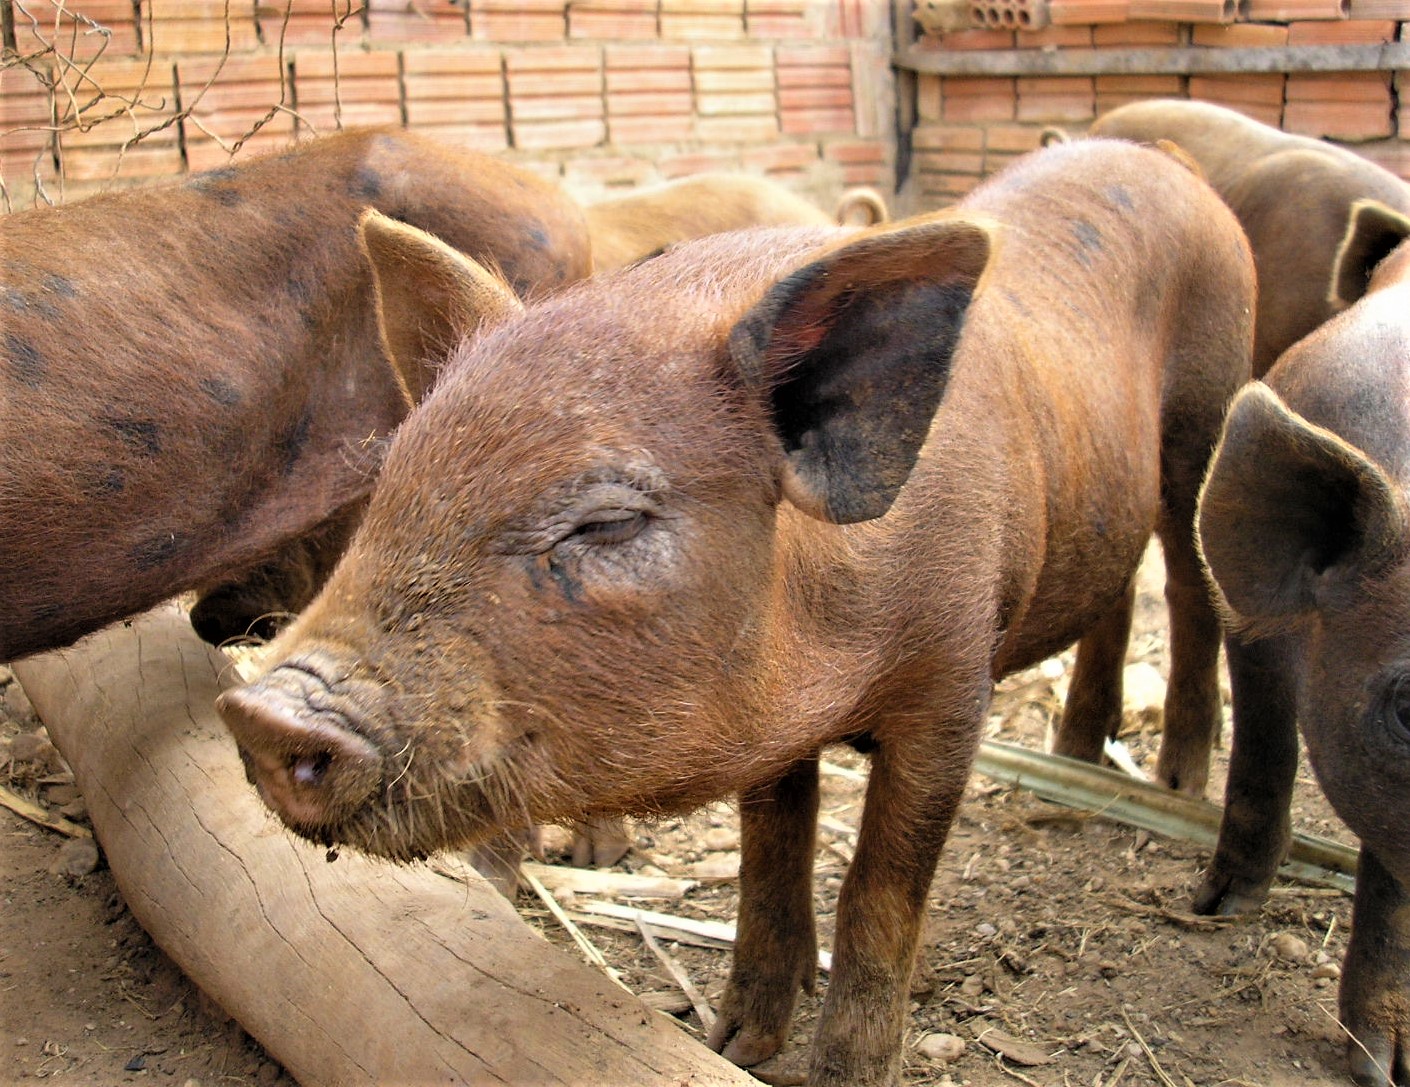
855 349
429 297
1292 517
1372 231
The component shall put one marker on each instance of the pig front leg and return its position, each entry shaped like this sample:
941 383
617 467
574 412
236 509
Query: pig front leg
916 783
776 946
1256 830
1374 1005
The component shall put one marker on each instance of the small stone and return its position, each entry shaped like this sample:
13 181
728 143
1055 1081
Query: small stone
718 839
268 1074
192 1082
30 747
75 809
1289 948
985 929
1328 970
1108 969
59 795
76 858
941 1048
972 986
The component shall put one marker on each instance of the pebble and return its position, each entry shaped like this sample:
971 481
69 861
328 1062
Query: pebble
942 1048
972 986
985 929
1288 947
75 859
1329 970
721 838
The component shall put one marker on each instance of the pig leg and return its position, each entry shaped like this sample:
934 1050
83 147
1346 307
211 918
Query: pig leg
776 947
1092 714
1256 829
1193 707
917 778
1374 1006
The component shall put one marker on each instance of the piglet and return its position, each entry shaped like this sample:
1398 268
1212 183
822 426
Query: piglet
192 389
1305 525
663 537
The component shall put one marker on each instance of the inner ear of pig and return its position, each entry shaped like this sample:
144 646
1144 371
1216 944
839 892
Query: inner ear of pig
1372 231
856 350
1292 516
429 297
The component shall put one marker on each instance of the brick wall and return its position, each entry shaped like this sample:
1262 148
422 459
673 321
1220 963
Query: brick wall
967 127
599 93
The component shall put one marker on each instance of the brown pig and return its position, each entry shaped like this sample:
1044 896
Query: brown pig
664 537
641 223
1305 524
1295 197
191 377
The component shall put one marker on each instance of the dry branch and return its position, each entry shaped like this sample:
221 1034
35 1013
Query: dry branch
1139 804
356 972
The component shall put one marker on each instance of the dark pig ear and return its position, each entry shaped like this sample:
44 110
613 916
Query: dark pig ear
856 350
429 297
1291 515
1372 230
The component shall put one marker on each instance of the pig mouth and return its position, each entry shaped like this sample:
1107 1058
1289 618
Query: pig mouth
310 747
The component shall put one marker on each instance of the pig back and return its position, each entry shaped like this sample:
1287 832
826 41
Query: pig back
190 375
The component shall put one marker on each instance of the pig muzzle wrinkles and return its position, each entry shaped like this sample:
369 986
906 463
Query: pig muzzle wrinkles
307 764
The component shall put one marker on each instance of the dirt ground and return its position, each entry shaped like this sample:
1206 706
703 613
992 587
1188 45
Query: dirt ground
1061 940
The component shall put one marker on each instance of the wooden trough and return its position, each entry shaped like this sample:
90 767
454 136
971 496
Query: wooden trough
348 973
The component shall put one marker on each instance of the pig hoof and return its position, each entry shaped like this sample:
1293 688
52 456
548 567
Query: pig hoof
747 1049
1371 1062
1225 896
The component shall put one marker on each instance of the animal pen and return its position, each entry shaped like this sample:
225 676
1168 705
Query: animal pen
920 100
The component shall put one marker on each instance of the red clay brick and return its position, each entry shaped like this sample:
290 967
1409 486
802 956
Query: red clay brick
1137 34
1262 90
796 122
625 130
948 138
1240 36
1370 87
1014 139
737 128
554 135
1068 12
1353 31
1288 10
1057 37
784 157
1339 120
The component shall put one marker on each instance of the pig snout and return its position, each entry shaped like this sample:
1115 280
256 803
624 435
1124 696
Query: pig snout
309 765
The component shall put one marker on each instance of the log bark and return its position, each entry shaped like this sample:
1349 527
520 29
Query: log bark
351 972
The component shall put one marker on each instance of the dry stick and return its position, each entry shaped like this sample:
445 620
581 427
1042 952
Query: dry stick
1150 1055
702 1009
35 814
586 946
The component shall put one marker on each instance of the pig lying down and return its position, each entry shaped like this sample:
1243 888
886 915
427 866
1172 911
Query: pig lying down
192 394
1306 527
663 537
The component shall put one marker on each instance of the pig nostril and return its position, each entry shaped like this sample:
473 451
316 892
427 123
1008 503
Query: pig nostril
310 769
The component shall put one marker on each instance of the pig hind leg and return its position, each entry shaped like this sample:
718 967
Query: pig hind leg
1092 714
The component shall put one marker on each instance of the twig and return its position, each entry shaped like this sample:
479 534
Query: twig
1150 807
1004 1068
586 946
698 1002
1189 920
1150 1054
35 814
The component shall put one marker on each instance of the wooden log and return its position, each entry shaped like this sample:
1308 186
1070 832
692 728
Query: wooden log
352 972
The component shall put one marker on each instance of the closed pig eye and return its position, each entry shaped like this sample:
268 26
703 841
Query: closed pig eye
609 527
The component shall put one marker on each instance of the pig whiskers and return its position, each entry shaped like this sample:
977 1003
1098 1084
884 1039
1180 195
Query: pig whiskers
406 767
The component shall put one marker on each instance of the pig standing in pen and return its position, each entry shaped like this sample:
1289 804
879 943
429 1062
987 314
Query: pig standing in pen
192 392
662 538
1305 524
